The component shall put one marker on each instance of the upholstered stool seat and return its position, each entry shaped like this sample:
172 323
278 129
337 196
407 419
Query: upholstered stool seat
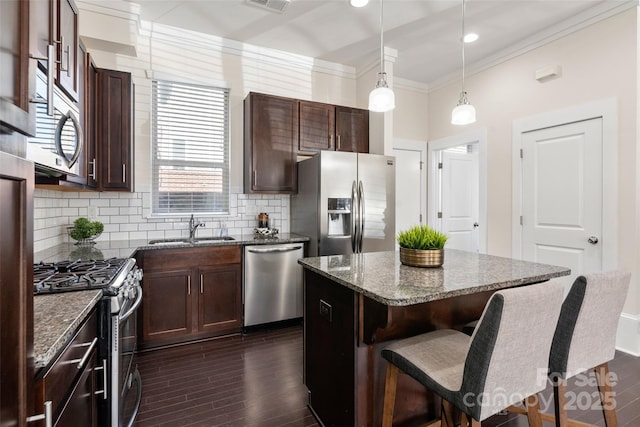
498 366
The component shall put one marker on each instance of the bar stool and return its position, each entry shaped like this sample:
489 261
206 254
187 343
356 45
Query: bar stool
496 367
586 337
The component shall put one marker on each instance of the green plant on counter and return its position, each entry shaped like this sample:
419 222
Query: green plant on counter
84 229
421 237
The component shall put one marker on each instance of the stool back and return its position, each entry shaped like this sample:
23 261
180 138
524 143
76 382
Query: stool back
586 333
509 350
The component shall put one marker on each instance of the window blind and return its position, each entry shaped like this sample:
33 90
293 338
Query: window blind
190 148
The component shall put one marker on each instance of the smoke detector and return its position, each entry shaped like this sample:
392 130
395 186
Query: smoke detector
273 5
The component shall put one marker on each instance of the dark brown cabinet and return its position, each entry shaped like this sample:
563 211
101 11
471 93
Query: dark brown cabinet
352 129
317 127
115 132
67 43
16 294
16 83
270 144
332 127
55 22
190 293
70 382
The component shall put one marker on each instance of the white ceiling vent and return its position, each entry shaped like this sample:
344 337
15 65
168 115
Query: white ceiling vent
273 5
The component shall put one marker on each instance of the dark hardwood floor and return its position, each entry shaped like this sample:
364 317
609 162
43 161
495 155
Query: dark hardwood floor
256 380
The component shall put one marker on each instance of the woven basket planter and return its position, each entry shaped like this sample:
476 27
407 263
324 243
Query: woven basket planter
422 257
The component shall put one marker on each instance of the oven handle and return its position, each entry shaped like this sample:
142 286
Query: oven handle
135 305
135 377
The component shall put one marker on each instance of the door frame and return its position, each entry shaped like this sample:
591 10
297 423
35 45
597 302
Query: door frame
608 111
477 136
416 145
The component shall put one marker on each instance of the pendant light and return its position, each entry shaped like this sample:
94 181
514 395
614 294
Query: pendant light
359 3
464 113
381 98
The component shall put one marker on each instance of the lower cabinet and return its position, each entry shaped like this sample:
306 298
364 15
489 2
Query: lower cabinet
70 383
189 294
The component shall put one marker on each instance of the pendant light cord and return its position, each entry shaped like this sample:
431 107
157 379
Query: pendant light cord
381 40
462 39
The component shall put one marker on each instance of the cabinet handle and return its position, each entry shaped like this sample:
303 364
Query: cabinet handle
49 101
255 181
62 46
201 286
188 285
339 145
81 362
46 416
330 141
105 385
124 173
92 174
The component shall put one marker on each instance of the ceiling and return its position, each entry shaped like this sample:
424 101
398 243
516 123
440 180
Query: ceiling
425 33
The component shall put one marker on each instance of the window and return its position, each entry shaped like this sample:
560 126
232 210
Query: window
190 148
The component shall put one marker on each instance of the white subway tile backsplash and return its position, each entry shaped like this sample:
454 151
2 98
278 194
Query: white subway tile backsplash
125 217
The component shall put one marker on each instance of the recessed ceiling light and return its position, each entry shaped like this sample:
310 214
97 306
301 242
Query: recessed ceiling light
359 3
470 37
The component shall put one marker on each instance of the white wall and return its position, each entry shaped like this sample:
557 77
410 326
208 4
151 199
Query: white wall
597 62
168 53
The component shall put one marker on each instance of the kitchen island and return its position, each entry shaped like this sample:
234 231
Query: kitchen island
355 304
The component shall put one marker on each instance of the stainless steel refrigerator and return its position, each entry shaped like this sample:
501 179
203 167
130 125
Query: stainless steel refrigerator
345 203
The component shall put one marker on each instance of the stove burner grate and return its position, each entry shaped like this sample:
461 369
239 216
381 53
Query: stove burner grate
66 276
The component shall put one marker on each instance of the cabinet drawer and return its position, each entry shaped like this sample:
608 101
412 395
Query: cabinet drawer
165 259
62 375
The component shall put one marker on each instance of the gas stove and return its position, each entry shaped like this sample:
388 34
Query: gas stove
79 275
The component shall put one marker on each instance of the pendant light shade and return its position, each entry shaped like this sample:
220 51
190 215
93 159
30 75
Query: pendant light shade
359 3
464 113
382 98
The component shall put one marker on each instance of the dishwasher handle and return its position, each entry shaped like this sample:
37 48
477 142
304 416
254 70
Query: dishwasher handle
274 250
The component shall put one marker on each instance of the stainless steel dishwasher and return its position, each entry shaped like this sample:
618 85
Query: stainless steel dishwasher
272 283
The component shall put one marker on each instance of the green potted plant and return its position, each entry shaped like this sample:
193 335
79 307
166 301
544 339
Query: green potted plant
85 232
421 246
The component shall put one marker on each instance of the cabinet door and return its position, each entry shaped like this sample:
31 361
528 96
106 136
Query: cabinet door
166 304
220 298
352 129
83 162
16 295
271 141
15 68
115 140
81 408
67 43
90 128
317 127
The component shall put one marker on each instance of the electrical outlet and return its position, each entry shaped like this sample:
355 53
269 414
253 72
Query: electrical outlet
92 212
326 310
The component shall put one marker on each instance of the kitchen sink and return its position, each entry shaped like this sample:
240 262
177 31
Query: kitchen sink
187 241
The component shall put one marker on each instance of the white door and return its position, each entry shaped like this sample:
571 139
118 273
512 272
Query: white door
410 187
459 197
562 196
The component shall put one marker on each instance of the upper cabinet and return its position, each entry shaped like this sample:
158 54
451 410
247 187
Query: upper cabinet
115 130
317 127
17 81
55 23
270 144
332 127
352 129
67 43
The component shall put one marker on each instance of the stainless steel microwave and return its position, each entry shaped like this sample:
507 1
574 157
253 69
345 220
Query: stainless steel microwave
57 144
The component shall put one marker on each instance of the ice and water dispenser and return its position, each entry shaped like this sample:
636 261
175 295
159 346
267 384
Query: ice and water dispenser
339 217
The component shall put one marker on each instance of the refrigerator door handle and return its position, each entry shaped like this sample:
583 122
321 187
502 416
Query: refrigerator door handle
354 218
361 214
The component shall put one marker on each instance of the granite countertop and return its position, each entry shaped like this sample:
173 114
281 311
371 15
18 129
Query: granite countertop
381 277
56 317
128 248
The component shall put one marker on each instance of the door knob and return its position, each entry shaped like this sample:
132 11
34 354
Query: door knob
476 225
593 240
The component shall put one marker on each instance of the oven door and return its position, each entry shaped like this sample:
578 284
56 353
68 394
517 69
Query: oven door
129 384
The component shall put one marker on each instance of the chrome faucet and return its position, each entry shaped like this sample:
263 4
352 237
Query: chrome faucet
193 226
